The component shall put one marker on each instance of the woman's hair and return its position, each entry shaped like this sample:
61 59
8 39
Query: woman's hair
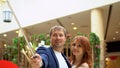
57 28
87 56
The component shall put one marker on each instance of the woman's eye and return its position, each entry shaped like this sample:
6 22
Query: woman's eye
79 45
54 35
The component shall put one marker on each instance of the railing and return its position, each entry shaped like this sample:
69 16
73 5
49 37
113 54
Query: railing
4 55
21 61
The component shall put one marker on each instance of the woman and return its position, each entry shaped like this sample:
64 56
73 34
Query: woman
81 52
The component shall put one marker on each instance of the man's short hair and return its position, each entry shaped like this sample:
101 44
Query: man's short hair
57 27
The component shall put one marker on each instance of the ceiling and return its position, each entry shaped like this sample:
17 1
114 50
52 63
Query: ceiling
111 19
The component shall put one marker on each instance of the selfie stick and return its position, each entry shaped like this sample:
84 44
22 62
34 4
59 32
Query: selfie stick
29 45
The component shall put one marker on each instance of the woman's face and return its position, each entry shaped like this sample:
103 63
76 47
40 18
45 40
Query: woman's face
77 48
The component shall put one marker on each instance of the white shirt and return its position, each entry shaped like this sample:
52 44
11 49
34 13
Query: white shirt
84 65
61 60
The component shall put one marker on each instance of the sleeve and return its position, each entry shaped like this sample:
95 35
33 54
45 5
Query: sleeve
42 51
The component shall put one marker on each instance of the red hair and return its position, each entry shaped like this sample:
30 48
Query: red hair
87 56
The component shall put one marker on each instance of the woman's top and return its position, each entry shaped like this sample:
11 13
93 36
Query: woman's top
83 65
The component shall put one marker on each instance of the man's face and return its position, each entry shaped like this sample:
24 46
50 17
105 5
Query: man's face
57 38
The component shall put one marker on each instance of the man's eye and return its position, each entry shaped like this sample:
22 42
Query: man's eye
60 35
73 44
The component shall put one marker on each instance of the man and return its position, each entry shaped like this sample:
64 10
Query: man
52 57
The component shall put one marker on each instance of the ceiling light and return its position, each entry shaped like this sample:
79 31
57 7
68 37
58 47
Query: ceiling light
7 15
116 32
17 31
114 38
72 23
74 28
107 59
4 35
5 45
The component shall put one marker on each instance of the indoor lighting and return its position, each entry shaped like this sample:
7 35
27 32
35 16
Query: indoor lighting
116 32
72 23
17 31
107 59
114 38
74 28
4 35
5 45
7 15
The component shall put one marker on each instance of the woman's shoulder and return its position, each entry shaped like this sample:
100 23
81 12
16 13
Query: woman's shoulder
84 65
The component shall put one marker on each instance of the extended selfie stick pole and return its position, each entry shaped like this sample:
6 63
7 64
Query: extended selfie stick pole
29 45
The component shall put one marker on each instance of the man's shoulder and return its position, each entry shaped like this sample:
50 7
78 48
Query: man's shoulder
43 49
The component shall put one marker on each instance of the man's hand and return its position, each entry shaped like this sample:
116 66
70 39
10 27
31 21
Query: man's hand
36 61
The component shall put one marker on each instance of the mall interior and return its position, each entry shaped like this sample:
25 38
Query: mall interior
25 24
